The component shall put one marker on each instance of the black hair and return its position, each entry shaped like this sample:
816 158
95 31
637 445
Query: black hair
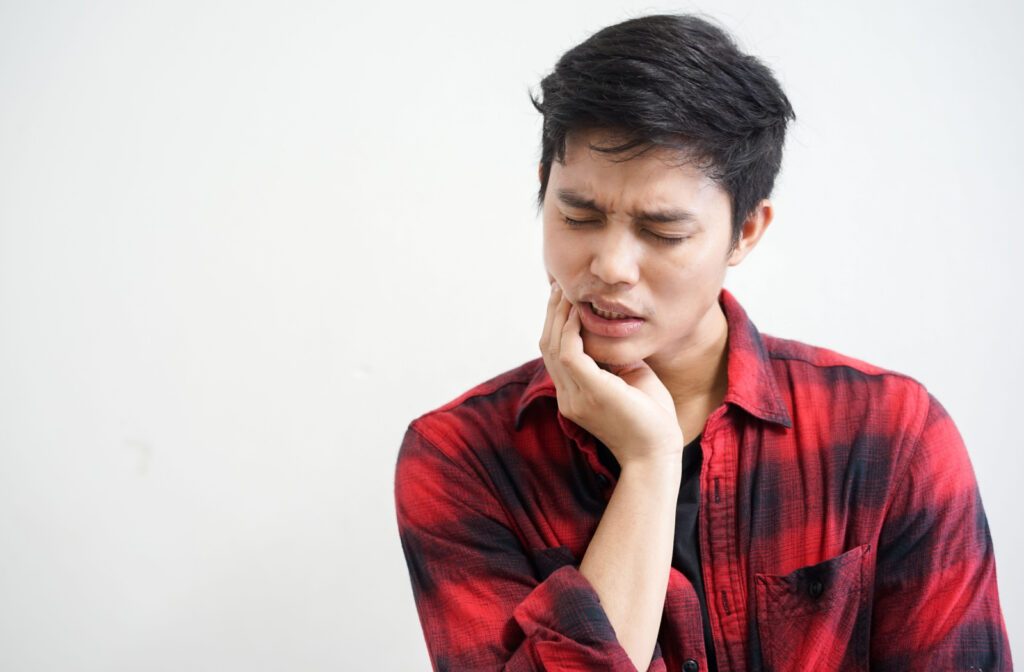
677 82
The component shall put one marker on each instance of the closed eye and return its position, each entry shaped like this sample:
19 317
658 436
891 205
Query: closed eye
665 240
575 223
658 238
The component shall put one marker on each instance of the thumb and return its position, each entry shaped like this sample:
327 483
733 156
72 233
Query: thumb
642 377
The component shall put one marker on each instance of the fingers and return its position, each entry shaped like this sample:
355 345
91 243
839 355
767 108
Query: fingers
558 320
642 377
545 333
550 342
584 370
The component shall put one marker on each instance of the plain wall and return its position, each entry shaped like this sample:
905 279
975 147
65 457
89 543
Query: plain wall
243 244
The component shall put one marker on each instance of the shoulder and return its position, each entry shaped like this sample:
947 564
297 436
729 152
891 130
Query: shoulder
813 361
501 388
847 386
798 353
884 419
482 414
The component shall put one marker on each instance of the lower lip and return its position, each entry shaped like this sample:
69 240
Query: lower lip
602 326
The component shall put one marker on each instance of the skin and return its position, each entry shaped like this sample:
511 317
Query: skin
642 394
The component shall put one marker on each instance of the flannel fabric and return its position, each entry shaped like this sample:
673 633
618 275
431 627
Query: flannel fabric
840 526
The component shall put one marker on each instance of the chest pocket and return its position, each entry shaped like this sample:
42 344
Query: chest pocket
817 617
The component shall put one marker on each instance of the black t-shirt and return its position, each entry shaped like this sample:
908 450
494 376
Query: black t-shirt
686 547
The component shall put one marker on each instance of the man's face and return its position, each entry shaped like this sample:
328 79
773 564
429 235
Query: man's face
647 238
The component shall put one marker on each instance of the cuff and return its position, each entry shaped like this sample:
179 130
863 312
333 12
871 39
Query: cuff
567 627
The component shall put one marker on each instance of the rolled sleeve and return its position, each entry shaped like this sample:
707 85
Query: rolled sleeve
567 628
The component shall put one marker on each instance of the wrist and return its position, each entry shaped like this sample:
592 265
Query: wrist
654 456
662 467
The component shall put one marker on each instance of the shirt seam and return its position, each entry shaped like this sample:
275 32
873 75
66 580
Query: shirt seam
845 365
471 394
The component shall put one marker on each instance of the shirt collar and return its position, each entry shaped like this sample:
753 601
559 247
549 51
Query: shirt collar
752 385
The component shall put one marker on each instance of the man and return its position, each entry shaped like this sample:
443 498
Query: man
667 488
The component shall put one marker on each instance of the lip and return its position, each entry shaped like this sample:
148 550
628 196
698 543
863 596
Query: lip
601 326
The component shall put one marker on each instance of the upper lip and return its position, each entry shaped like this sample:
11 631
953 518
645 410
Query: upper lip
609 306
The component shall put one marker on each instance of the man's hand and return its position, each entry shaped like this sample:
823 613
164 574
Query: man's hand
630 411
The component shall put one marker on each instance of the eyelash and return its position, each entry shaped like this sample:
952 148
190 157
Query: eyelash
663 240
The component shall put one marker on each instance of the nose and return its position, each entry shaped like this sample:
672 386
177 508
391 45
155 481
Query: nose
615 259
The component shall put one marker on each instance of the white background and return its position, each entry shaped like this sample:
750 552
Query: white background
243 244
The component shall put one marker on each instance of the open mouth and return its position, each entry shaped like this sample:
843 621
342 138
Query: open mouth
608 315
608 323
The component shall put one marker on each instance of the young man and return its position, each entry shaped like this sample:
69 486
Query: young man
667 489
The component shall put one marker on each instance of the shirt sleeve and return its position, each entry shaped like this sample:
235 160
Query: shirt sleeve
936 605
483 602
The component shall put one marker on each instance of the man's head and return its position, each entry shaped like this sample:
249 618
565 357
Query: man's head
661 145
676 82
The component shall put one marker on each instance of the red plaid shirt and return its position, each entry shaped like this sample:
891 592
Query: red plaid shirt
840 526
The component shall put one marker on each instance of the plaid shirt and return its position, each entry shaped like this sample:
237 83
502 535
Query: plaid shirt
840 526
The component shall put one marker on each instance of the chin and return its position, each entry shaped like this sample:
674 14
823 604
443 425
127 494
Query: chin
611 355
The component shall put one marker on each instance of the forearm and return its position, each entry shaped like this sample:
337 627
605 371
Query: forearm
629 557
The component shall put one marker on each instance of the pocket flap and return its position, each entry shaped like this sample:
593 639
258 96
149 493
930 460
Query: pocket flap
817 617
816 586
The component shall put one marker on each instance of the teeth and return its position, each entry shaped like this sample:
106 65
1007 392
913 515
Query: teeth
608 315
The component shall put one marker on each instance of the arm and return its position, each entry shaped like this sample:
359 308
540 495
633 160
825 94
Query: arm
936 603
629 558
482 601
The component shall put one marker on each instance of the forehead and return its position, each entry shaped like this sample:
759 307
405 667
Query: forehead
638 178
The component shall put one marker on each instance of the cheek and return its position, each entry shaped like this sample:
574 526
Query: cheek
699 264
559 255
684 284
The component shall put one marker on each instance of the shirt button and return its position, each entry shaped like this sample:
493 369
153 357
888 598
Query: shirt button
691 665
816 588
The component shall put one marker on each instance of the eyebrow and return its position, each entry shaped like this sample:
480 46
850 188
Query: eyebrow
672 215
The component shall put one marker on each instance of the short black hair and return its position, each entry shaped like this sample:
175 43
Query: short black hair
678 82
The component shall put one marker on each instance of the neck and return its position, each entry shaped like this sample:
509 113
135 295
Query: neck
697 374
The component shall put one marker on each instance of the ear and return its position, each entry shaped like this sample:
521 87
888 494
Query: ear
540 173
753 228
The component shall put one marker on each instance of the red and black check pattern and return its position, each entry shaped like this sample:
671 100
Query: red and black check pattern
840 526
